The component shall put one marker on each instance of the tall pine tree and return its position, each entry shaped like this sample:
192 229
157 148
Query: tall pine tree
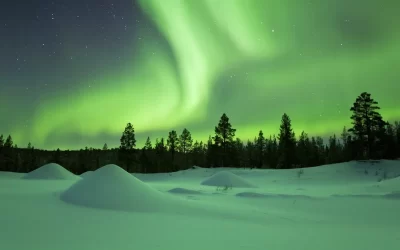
287 143
172 143
128 143
128 140
260 145
224 136
148 145
185 143
9 142
367 123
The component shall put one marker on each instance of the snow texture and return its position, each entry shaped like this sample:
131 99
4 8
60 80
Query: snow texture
227 179
51 171
111 187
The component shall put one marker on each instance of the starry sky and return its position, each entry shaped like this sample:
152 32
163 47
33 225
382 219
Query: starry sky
74 72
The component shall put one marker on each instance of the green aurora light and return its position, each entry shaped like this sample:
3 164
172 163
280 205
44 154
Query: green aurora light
252 59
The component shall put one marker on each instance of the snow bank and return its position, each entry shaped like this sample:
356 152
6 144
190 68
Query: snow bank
258 195
183 191
83 175
51 171
111 187
225 178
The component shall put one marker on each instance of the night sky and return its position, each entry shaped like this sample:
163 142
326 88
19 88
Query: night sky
74 72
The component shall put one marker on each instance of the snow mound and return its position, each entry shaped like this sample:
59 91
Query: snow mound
51 171
258 195
83 175
225 178
184 191
111 187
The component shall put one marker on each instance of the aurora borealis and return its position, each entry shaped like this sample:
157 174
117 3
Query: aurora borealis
73 73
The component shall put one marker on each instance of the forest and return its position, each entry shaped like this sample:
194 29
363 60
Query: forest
369 137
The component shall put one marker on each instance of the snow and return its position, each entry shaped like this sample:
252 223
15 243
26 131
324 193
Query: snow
226 179
338 206
111 187
51 171
83 175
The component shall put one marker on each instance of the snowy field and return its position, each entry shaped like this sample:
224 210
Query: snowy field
353 205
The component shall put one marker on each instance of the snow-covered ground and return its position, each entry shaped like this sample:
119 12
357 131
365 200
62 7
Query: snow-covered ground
353 205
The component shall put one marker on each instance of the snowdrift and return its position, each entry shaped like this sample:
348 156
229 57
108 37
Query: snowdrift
184 191
225 178
111 187
51 171
83 175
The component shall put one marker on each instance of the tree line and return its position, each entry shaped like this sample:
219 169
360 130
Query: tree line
369 137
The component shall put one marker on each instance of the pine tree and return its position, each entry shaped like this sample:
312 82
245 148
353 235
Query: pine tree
172 143
224 135
303 150
287 143
9 142
1 141
185 141
367 122
147 145
29 146
128 140
260 144
105 146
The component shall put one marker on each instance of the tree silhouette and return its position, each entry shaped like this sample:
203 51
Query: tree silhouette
1 141
367 122
172 143
224 135
147 145
260 144
186 144
9 142
303 150
105 146
287 143
128 140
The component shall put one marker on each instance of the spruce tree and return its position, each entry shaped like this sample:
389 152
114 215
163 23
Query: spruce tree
9 142
128 141
260 144
367 123
224 135
185 141
147 145
287 143
29 146
105 146
172 142
1 141
303 150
